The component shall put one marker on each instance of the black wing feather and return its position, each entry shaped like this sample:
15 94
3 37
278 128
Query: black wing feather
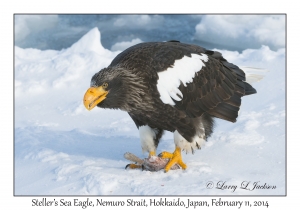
216 89
220 86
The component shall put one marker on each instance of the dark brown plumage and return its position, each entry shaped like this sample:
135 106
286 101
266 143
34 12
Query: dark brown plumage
214 91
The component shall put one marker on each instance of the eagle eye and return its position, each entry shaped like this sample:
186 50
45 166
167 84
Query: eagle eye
105 85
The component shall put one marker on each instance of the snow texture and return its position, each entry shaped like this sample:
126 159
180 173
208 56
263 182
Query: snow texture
124 45
63 149
243 30
231 32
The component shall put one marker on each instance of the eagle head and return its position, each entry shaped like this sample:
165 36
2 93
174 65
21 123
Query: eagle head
108 90
113 88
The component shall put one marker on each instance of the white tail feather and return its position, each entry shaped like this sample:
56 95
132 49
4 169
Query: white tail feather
254 74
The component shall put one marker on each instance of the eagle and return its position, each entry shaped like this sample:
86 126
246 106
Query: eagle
170 86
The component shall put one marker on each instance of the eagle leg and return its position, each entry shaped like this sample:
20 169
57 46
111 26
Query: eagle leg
174 157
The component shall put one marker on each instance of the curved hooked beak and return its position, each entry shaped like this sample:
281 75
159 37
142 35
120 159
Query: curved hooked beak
94 96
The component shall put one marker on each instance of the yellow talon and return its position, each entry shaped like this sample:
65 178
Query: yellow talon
152 153
133 166
166 155
174 158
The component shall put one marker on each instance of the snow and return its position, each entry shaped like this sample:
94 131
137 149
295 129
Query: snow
231 32
63 149
243 30
124 45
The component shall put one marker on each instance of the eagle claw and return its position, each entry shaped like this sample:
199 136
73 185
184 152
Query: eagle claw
166 155
175 158
133 166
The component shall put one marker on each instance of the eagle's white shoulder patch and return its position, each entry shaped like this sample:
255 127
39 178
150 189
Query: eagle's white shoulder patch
184 71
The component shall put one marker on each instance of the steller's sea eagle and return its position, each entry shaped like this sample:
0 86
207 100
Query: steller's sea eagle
170 86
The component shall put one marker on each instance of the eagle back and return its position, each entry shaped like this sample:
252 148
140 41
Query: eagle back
215 88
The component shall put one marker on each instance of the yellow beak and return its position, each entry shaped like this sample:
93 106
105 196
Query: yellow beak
94 96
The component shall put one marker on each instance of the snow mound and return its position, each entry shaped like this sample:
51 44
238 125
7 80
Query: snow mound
89 42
